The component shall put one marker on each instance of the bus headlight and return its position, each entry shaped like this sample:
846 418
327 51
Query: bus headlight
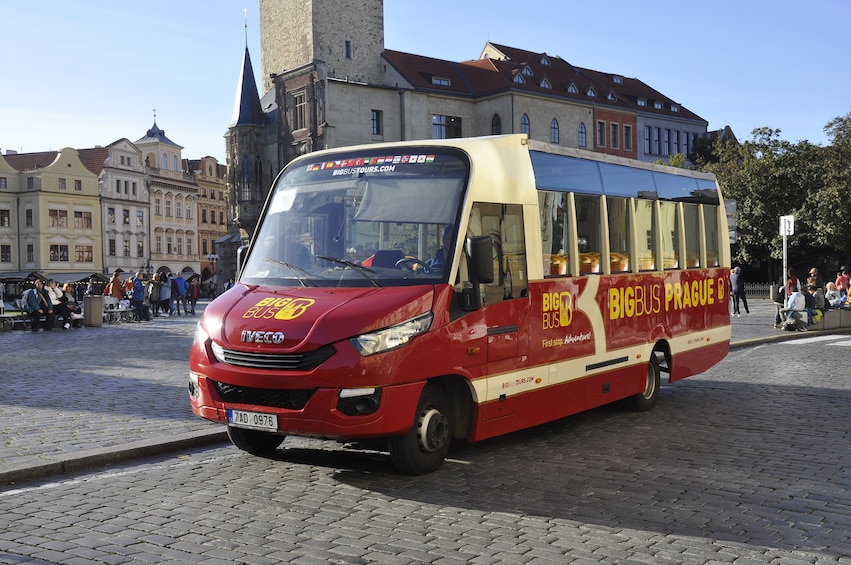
392 337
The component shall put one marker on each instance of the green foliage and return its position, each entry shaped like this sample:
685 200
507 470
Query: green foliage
769 177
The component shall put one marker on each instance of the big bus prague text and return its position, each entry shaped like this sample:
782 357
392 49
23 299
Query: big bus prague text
421 292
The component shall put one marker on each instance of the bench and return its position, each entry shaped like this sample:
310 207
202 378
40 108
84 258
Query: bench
116 311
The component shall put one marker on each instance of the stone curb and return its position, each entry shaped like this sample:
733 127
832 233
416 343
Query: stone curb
110 456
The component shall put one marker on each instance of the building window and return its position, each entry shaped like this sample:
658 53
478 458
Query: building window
647 140
496 125
58 218
174 165
78 184
188 246
30 182
164 164
28 217
188 212
111 244
554 137
59 253
110 215
642 102
118 186
440 81
125 217
180 246
377 128
221 218
168 208
203 247
5 218
666 142
203 216
445 127
140 249
83 220
30 253
134 188
614 141
61 184
656 141
178 211
157 207
627 138
83 254
158 242
583 136
213 218
525 126
5 253
676 141
168 244
299 111
601 134
3 182
348 50
125 245
657 105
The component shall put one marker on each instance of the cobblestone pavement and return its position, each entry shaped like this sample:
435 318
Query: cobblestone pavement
78 398
747 463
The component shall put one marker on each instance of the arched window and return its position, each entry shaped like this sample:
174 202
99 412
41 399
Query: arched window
164 162
524 124
554 137
583 136
174 163
496 125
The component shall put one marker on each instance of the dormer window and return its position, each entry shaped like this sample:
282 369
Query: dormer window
518 78
572 89
591 93
675 108
617 79
545 61
440 81
546 83
657 105
642 102
611 97
527 71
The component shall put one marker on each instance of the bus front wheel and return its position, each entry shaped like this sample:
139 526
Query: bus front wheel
644 401
423 449
253 441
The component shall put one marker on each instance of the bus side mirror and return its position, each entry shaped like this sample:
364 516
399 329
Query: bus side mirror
480 259
479 251
241 255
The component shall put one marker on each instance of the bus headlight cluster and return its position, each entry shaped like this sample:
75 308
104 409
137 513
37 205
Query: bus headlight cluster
392 337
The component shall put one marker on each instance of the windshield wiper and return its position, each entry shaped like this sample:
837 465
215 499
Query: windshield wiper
359 268
294 269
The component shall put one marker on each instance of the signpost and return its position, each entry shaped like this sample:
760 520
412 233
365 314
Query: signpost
787 228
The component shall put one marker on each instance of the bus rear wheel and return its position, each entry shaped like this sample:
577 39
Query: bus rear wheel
423 449
644 401
253 441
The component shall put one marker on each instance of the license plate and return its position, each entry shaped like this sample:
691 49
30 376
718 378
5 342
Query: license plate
253 420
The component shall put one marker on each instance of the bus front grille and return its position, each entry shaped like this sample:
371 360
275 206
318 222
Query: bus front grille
273 398
273 361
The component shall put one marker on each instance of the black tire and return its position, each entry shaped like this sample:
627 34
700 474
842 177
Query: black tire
255 442
423 449
644 401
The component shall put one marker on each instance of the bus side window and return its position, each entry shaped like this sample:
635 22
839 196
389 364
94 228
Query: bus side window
555 232
691 216
590 238
669 235
645 223
619 233
504 224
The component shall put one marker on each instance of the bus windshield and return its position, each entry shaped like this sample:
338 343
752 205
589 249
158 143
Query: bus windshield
365 219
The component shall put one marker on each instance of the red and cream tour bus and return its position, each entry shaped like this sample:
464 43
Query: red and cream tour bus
425 291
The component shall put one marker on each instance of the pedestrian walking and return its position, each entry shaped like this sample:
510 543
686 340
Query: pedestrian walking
737 291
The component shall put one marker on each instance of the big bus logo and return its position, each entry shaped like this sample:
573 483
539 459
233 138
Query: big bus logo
557 309
279 308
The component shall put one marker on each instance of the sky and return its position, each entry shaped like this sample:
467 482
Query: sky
82 74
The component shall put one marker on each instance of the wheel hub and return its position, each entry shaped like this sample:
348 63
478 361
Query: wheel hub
432 430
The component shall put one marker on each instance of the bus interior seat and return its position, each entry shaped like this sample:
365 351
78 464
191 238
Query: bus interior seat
387 258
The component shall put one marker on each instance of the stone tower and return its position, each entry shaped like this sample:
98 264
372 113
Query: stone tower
346 35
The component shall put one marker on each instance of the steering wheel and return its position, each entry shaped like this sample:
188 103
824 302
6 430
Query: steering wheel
411 264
